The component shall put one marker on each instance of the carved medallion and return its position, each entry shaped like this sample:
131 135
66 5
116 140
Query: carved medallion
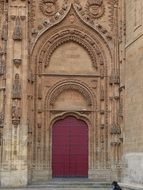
48 7
95 8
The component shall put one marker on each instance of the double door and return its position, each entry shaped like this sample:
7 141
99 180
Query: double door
70 148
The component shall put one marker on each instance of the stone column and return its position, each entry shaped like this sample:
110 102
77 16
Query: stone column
14 161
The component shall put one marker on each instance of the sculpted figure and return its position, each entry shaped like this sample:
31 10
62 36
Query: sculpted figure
16 91
16 113
95 8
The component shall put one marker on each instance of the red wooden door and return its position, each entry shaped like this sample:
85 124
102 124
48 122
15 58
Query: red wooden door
70 148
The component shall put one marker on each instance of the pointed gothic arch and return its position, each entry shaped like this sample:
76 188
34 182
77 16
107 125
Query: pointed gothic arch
93 87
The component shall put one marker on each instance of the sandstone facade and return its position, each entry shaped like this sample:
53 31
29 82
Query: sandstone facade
70 58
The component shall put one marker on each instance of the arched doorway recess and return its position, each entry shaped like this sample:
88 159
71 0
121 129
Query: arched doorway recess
70 148
74 73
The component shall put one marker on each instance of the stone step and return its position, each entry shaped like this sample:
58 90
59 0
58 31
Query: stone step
69 184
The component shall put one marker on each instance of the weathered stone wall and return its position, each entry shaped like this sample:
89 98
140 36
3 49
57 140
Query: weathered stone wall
52 50
14 58
133 130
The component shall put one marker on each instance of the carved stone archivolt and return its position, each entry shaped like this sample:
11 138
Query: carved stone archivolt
93 90
65 36
95 8
48 7
70 85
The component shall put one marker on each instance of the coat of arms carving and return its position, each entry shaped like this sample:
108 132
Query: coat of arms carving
95 8
48 7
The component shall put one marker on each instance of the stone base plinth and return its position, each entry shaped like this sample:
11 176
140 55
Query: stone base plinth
105 175
133 168
14 178
126 186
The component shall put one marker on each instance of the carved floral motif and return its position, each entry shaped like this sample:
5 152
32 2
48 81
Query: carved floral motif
48 7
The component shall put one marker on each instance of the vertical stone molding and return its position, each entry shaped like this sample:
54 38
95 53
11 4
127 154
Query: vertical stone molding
14 172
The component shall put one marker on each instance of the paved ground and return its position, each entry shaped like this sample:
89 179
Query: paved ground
55 188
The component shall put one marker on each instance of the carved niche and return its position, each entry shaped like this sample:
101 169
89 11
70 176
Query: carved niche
95 8
48 7
17 34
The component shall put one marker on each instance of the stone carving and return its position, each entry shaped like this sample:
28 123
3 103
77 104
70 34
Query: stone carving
1 119
4 32
1 8
70 86
121 107
31 77
2 60
16 91
39 92
17 34
102 93
102 71
115 77
16 114
115 143
69 35
48 7
115 129
95 8
17 62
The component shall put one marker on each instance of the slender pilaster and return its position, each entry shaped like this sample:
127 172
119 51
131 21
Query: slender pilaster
14 162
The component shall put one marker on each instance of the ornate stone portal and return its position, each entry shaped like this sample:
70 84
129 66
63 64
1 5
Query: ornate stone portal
72 70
